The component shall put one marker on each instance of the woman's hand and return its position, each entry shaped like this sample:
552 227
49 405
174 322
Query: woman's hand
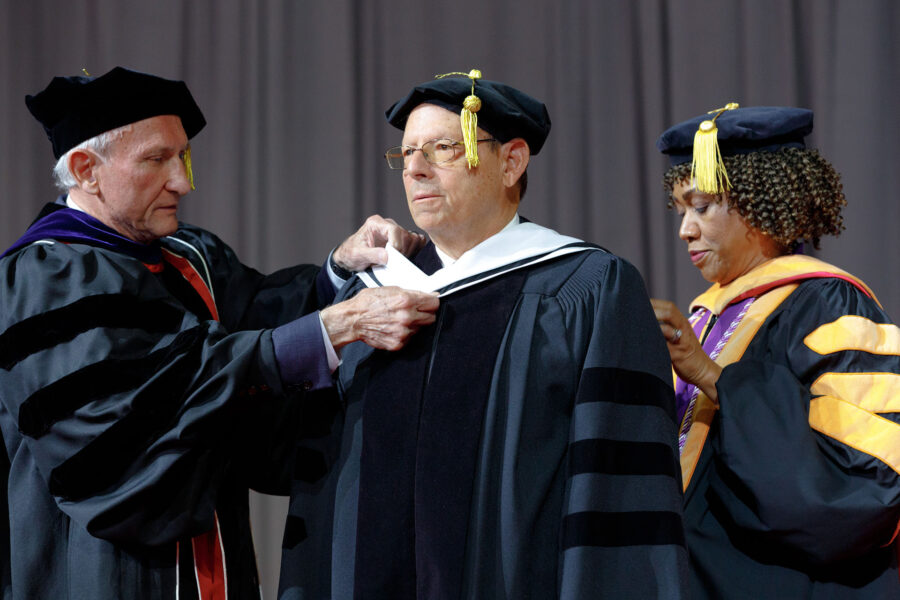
689 360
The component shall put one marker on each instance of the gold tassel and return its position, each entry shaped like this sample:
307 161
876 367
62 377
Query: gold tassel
187 166
468 118
469 121
708 168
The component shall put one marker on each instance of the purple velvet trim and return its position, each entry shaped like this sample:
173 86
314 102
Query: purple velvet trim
683 390
69 225
300 353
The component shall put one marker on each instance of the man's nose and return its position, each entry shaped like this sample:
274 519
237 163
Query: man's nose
179 182
416 165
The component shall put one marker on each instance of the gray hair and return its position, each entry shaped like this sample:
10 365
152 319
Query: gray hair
99 144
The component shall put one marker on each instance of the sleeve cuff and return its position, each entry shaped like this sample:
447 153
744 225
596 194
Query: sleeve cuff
334 361
336 273
302 355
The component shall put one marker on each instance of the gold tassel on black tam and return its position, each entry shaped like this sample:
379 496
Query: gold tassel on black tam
468 117
186 158
707 168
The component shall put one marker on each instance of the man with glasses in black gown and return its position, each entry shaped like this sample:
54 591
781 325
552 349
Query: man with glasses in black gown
523 445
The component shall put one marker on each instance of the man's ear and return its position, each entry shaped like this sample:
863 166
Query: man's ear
515 156
83 165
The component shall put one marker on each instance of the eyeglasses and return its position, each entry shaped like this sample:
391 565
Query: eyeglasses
435 151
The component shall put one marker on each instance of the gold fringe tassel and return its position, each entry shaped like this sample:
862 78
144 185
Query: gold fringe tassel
187 166
708 168
468 118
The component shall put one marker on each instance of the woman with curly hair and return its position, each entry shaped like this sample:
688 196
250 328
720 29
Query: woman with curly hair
787 372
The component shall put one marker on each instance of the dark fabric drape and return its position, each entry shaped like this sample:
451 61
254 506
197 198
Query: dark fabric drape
294 92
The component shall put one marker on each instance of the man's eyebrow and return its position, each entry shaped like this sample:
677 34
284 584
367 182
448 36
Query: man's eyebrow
153 148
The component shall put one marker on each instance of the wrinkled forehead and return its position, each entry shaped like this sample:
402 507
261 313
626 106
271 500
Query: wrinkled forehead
430 122
160 133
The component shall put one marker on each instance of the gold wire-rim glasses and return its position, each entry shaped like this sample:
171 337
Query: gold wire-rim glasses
398 156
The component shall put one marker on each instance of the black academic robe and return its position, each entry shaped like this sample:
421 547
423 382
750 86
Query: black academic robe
133 420
793 484
521 447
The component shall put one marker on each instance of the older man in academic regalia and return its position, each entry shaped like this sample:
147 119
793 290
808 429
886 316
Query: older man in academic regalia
147 377
522 446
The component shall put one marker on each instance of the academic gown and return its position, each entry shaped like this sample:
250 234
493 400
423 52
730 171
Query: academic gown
792 483
135 411
523 446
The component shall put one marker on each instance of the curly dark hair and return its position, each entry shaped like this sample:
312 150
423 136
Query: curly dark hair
792 195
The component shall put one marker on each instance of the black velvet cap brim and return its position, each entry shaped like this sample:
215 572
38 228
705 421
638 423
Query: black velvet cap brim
506 112
74 109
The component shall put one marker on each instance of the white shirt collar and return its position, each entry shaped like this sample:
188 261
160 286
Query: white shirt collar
71 204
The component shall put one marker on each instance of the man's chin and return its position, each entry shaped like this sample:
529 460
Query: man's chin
426 220
167 227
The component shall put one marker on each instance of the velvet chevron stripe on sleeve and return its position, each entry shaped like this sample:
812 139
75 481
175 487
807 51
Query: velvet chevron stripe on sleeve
63 324
153 410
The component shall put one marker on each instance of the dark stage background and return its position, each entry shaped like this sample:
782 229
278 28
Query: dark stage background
294 92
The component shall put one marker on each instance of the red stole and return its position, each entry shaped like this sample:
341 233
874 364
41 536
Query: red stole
207 549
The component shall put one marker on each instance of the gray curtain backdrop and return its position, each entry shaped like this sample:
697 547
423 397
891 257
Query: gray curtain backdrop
295 92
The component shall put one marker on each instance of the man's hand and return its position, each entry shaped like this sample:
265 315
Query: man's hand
366 247
689 360
384 318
